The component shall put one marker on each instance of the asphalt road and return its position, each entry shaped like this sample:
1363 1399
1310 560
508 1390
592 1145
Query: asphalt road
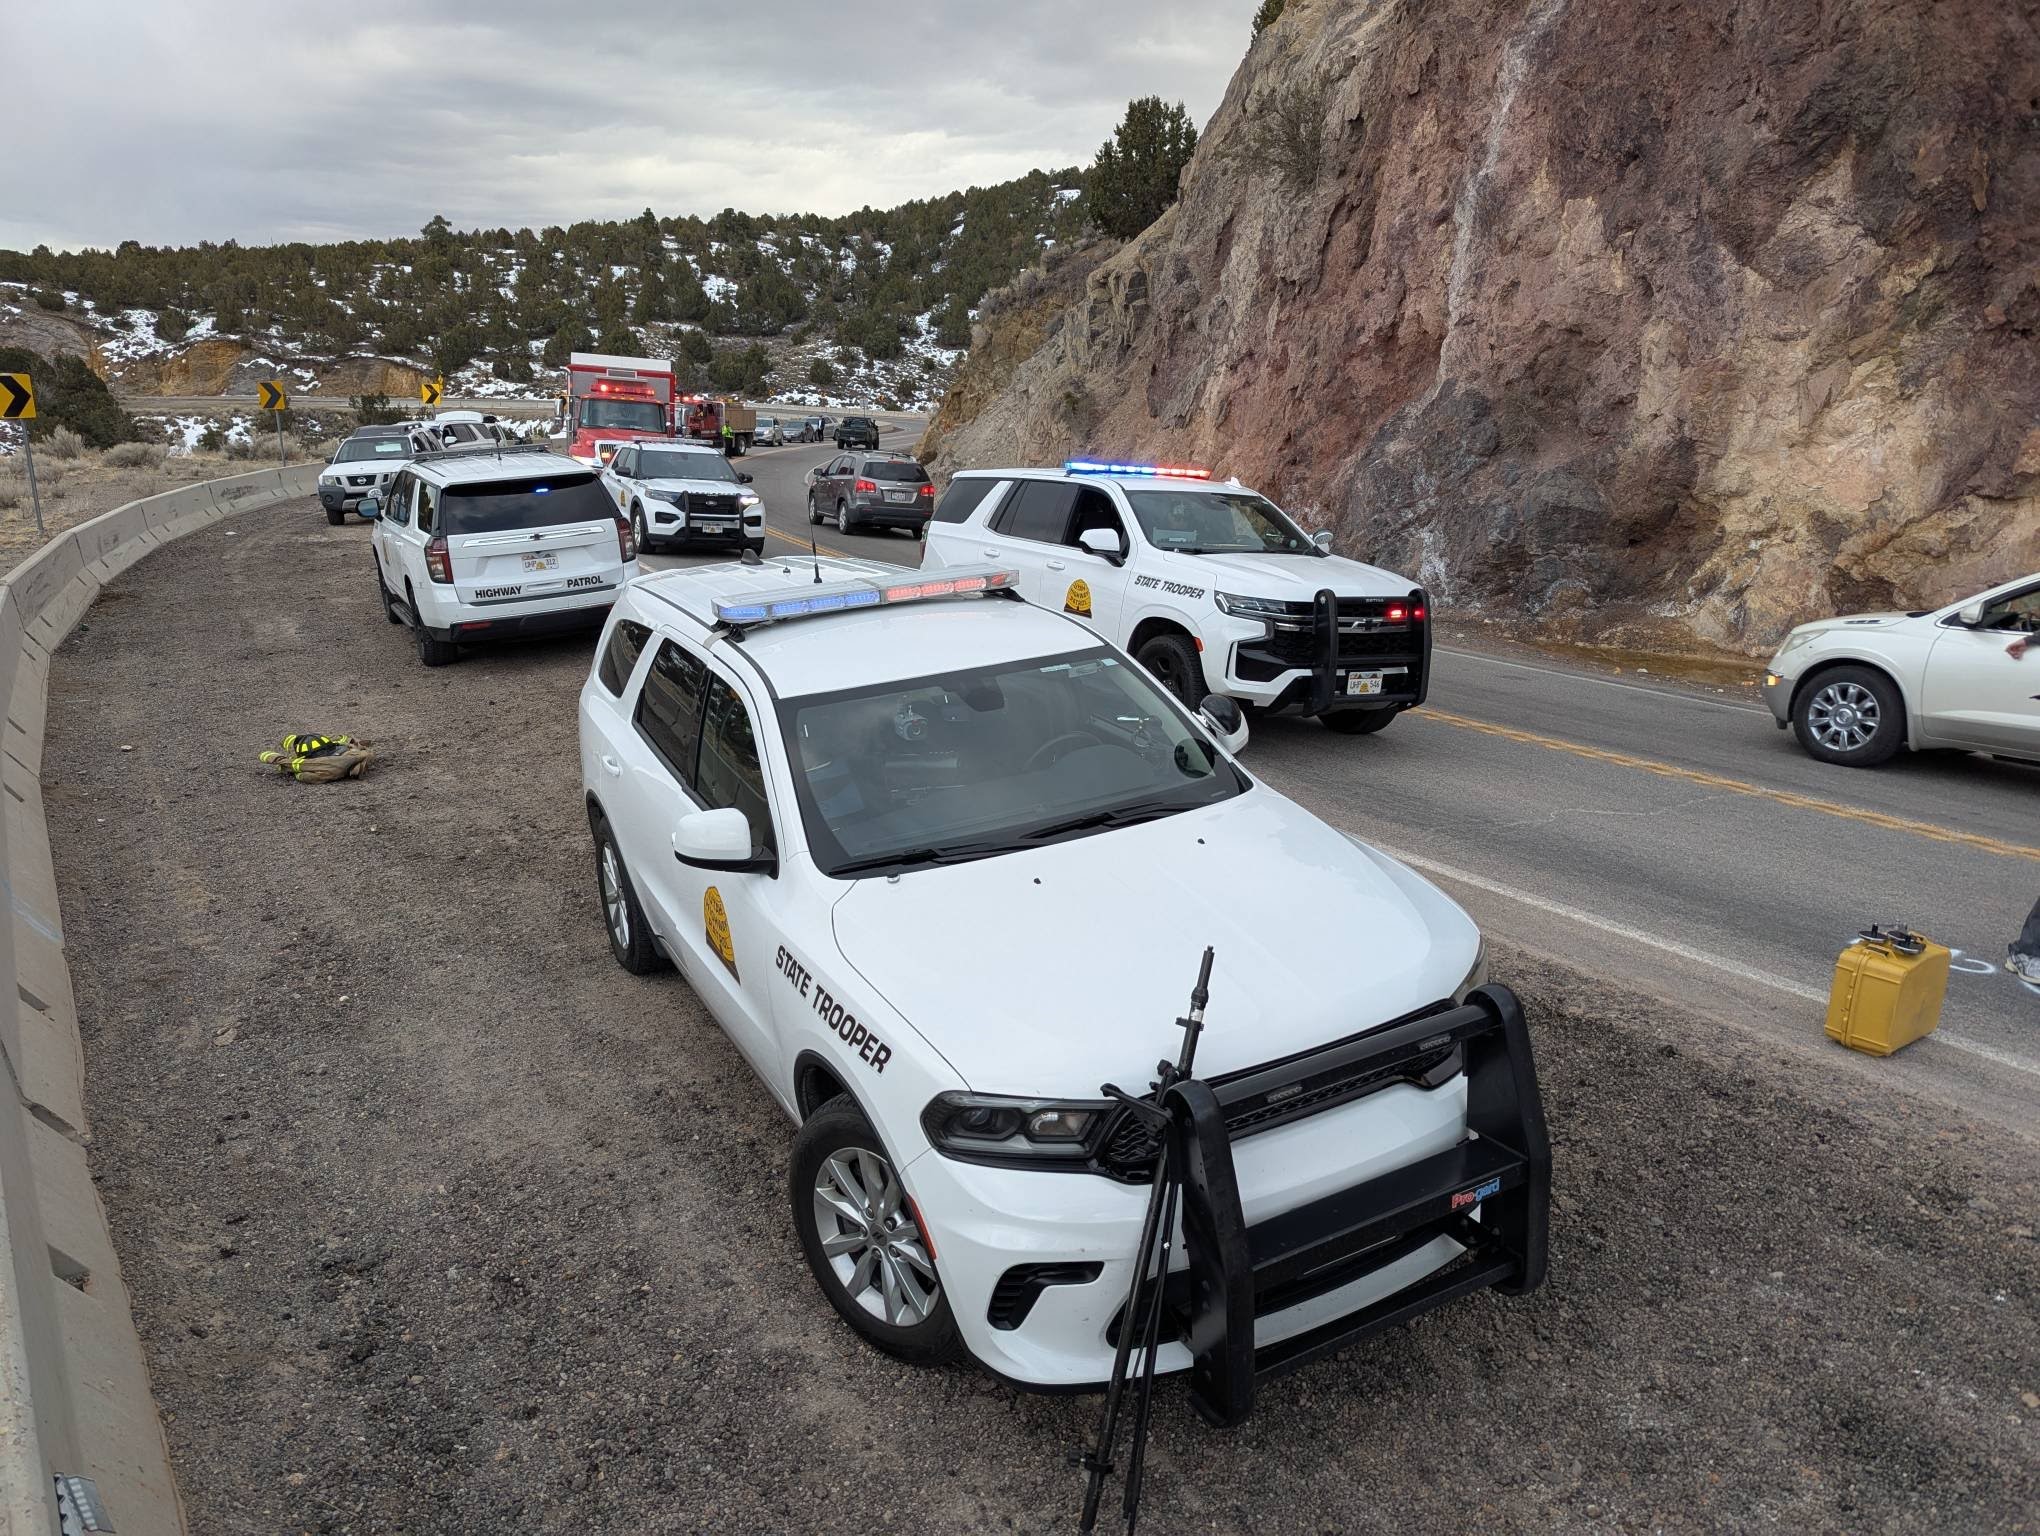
1668 838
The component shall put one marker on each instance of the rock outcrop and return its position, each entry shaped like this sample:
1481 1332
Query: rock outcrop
1657 321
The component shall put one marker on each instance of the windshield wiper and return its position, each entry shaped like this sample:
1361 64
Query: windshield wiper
1117 816
954 853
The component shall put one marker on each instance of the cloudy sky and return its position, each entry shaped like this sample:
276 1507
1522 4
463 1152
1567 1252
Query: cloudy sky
171 121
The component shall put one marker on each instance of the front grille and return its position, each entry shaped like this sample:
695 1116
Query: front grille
1378 639
1127 1147
361 479
709 506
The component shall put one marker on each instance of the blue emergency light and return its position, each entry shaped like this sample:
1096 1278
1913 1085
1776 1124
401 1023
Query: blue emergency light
863 592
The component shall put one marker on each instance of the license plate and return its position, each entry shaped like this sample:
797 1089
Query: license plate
545 562
898 496
1362 683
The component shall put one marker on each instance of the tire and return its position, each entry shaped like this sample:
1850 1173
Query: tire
842 517
837 1159
1173 660
434 652
920 534
1853 716
640 531
756 547
1358 722
336 517
382 589
630 938
813 515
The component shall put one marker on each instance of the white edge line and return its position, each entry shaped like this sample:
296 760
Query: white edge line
1683 951
1608 682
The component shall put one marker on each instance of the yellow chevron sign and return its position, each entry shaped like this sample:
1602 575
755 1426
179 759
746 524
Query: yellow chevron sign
431 391
17 397
269 395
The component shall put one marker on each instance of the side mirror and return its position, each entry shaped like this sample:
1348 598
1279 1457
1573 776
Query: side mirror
718 840
1107 544
1970 616
1226 720
744 478
1323 540
371 506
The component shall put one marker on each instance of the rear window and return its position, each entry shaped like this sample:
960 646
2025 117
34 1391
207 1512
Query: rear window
961 499
904 471
1039 509
498 506
619 657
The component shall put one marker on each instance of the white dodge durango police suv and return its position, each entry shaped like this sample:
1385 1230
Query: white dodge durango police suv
1210 585
942 866
481 544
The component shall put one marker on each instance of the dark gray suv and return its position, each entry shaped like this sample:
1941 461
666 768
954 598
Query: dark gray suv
871 490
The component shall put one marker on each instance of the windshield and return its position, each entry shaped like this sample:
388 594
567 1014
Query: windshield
501 506
1217 523
628 415
683 466
904 471
993 760
372 448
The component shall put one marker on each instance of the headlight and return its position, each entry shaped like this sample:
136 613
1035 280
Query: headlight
747 498
1258 607
1476 976
987 1128
1796 639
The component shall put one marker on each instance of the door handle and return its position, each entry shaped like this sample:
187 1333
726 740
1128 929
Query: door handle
1056 565
611 766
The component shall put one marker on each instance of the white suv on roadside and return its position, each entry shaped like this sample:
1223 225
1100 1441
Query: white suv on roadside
942 865
474 545
683 494
1858 688
1211 586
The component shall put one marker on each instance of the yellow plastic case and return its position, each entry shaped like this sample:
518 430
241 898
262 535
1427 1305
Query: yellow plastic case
1888 991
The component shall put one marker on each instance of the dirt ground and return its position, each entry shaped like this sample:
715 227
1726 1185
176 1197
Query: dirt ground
437 1221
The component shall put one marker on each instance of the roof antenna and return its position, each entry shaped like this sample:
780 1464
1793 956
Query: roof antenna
817 554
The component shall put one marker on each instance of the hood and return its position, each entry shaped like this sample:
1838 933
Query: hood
1851 621
1299 578
696 487
1079 956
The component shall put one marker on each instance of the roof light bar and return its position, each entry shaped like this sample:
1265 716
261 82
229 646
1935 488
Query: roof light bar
1152 471
860 592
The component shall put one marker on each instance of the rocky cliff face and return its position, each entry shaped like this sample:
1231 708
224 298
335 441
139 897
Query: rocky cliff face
1653 320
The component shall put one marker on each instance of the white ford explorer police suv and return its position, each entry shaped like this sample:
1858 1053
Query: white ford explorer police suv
684 494
942 865
487 543
1210 585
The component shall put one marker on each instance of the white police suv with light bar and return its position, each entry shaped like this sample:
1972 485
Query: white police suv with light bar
489 543
678 493
1210 585
942 865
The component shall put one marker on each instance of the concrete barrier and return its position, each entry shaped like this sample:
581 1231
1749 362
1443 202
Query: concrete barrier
74 1389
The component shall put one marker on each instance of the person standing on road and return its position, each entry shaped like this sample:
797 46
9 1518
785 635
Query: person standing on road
2024 960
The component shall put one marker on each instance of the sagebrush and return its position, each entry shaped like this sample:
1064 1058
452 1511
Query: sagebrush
1284 135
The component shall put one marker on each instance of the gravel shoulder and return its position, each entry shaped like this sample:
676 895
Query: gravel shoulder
436 1221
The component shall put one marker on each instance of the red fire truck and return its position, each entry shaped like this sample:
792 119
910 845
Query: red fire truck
613 400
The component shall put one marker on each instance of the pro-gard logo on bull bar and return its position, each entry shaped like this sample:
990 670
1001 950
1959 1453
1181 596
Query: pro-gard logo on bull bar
1477 1194
868 1046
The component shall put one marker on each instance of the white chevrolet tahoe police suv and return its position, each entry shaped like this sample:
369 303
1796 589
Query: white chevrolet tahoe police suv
484 543
684 495
1211 586
942 865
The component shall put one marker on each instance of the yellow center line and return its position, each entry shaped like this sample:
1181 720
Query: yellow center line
1889 823
800 543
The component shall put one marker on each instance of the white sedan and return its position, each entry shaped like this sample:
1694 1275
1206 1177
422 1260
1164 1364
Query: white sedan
942 864
1857 688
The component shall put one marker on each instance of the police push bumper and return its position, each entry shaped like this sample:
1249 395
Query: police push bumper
1490 1194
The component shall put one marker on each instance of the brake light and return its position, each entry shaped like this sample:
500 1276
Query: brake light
1417 613
1397 613
438 563
626 542
927 490
865 485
